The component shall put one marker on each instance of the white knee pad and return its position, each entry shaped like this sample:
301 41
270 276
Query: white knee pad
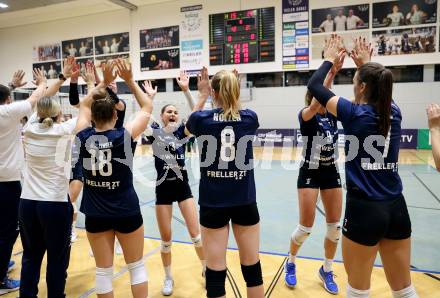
333 232
300 234
197 241
355 293
409 292
104 278
138 272
165 247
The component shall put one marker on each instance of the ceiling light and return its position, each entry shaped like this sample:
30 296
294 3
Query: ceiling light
3 5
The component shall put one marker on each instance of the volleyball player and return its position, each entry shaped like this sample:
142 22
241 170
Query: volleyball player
227 186
110 202
433 112
90 77
172 178
376 215
45 213
11 166
318 175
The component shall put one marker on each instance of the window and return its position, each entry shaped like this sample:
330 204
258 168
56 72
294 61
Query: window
298 78
161 85
344 76
437 73
270 79
192 84
407 74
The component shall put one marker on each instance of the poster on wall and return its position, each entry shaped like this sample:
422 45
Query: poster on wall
51 70
99 60
112 43
417 40
48 52
403 13
157 38
191 44
81 47
341 18
160 59
318 42
295 34
83 62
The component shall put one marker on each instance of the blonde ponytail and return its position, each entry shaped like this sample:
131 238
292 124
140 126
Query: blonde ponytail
48 108
228 88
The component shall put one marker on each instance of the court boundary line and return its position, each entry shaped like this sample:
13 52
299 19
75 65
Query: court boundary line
427 188
233 284
275 279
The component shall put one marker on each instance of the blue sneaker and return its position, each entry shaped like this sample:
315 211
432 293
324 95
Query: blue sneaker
9 285
290 277
11 266
328 282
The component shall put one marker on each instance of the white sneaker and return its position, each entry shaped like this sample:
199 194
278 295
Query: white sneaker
118 248
167 289
74 235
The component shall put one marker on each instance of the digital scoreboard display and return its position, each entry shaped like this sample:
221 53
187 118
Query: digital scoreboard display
246 36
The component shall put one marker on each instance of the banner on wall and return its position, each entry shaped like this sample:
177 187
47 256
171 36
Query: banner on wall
295 34
157 38
424 139
48 52
275 137
341 18
191 39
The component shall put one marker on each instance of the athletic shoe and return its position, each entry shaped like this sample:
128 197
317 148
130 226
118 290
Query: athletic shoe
167 289
11 266
74 235
118 248
290 278
327 281
9 285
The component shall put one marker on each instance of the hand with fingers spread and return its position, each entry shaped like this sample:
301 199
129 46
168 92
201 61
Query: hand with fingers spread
123 70
362 52
203 84
332 48
89 75
39 76
17 79
149 90
75 73
97 78
109 75
68 65
338 63
433 112
183 80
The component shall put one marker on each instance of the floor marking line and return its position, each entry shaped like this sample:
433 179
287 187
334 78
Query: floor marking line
426 208
275 279
237 294
120 272
425 273
427 188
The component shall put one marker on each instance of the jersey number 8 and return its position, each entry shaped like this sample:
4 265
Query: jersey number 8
227 150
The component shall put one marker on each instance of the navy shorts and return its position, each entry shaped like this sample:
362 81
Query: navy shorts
321 178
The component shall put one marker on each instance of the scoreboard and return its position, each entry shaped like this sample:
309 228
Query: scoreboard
246 36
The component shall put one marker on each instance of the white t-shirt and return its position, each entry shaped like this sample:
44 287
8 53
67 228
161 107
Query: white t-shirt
395 18
72 52
105 50
52 73
83 51
11 148
114 47
340 23
352 22
47 167
327 25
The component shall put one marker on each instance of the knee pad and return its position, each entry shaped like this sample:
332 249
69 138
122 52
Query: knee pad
165 247
104 277
333 232
252 275
355 293
215 282
300 234
138 272
197 241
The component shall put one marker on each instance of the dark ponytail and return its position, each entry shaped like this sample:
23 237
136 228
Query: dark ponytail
379 92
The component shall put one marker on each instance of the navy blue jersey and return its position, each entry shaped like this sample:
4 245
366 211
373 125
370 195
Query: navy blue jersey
226 156
169 153
373 168
107 159
320 137
121 116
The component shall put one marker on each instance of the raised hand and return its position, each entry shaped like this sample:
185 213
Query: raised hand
183 80
89 74
123 70
75 73
17 79
203 84
433 112
362 52
338 63
332 48
39 76
68 65
148 87
108 72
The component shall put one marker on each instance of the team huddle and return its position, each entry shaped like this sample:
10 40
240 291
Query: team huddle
102 146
